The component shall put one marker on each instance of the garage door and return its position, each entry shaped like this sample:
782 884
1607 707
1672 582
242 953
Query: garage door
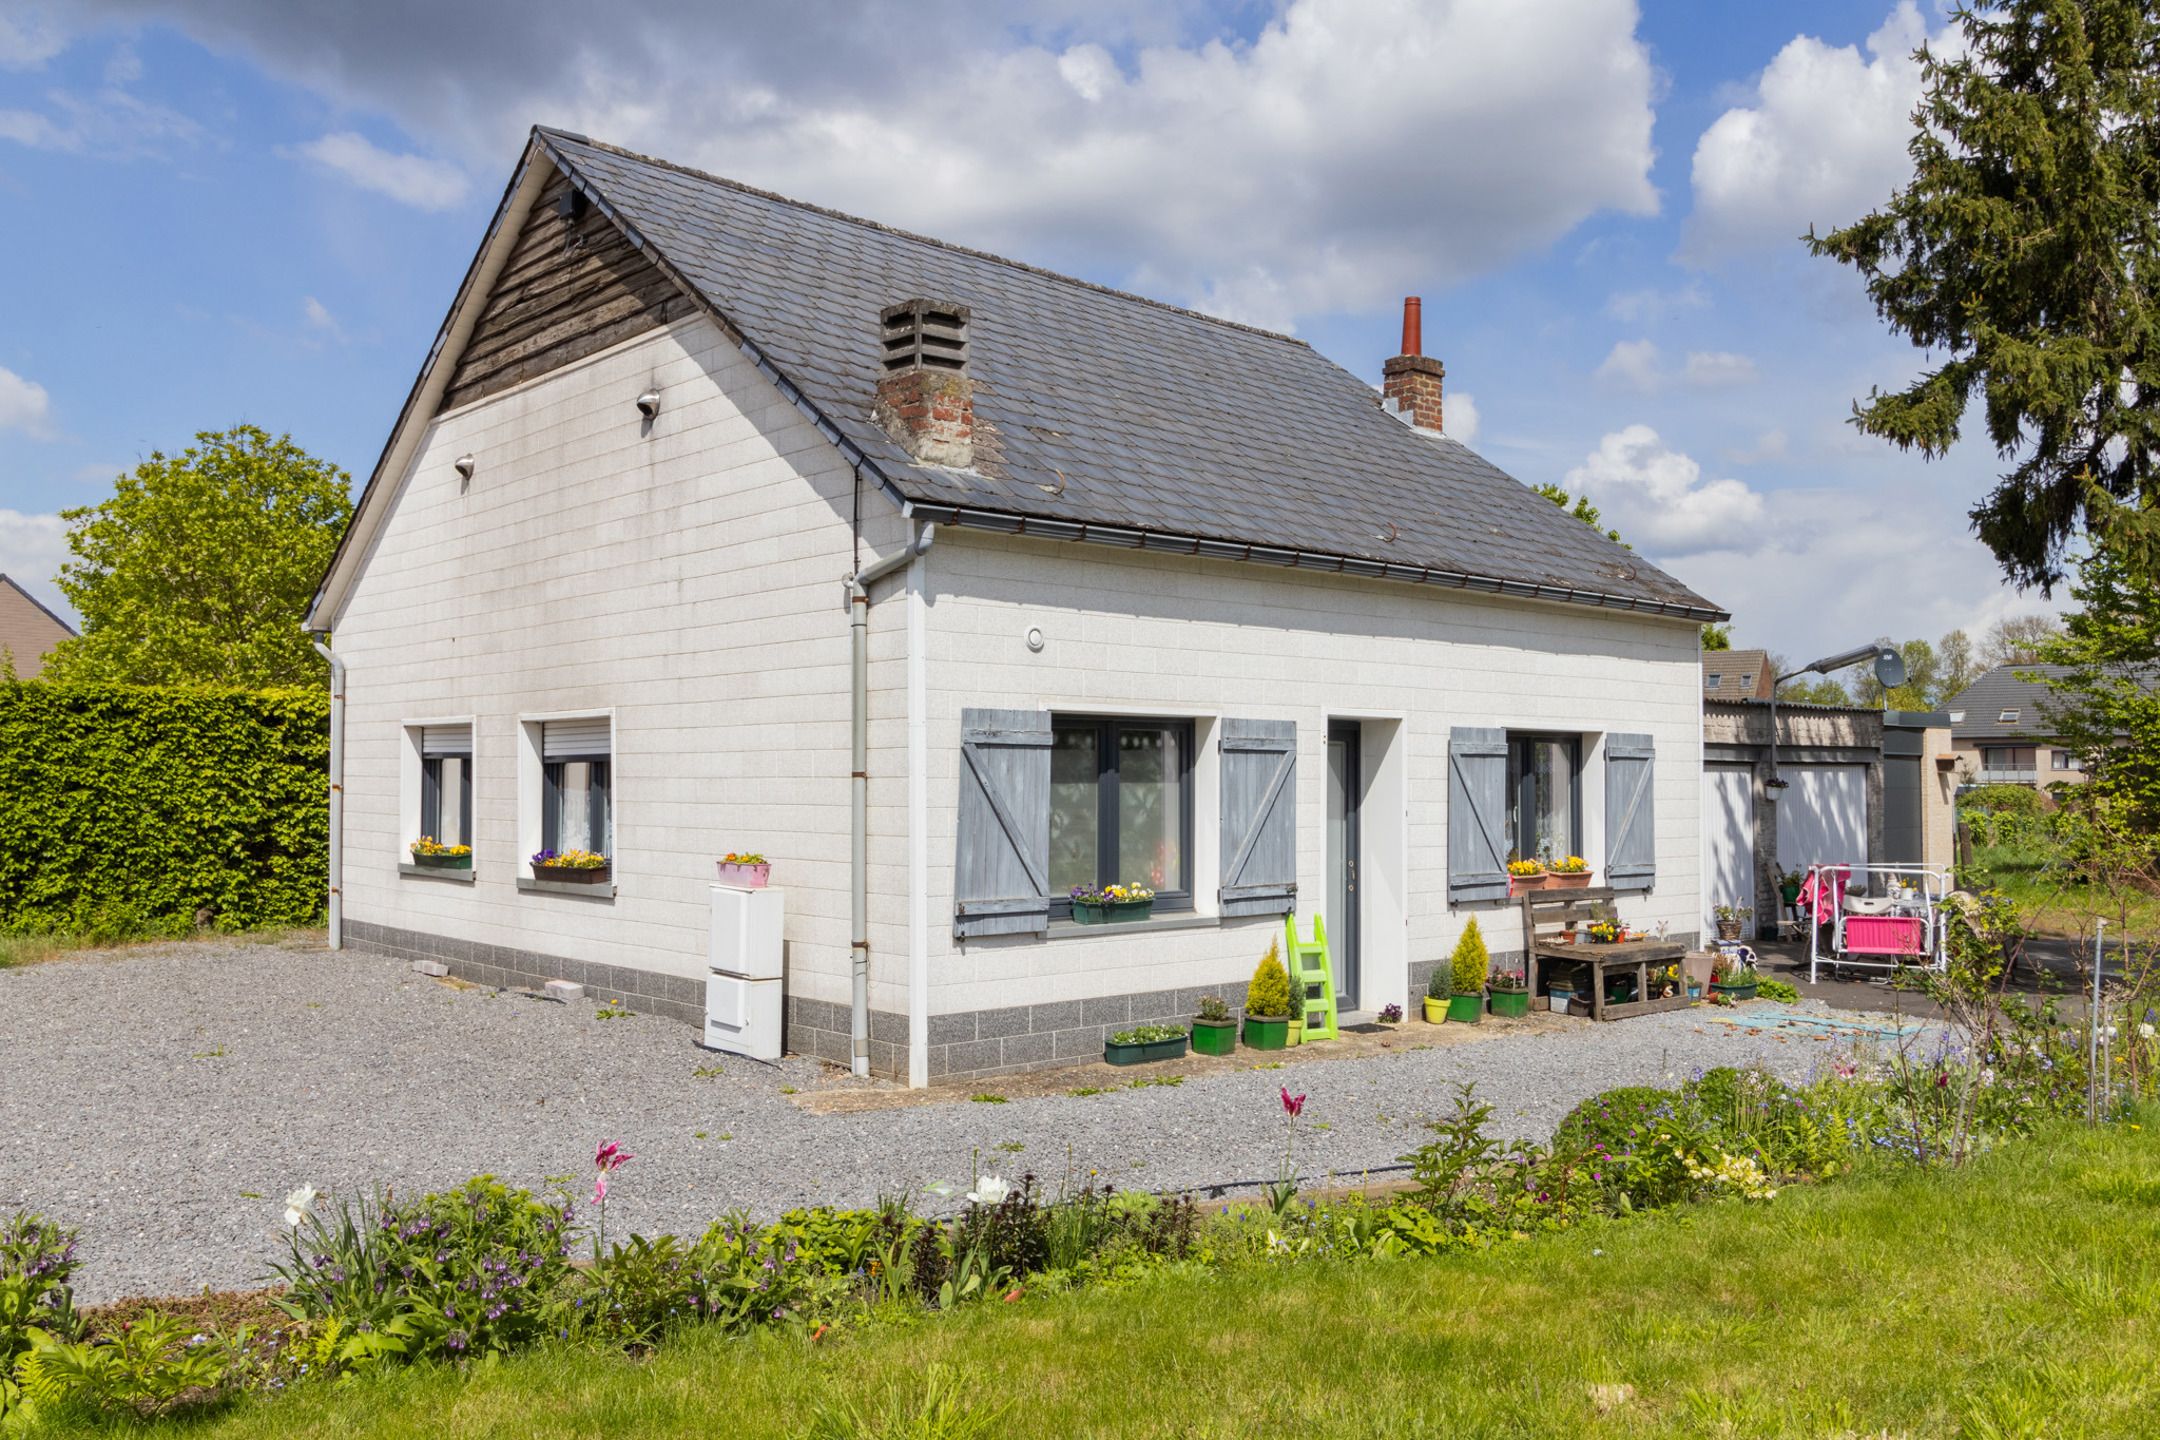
1822 818
1729 800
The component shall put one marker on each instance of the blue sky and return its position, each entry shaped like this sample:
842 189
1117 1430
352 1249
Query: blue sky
256 210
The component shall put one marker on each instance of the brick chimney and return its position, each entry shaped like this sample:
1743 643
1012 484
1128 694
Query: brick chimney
1410 382
925 399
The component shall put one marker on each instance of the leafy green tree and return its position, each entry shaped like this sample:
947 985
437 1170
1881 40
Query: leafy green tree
1814 690
1923 680
2024 256
1716 637
1580 507
199 569
1960 666
2106 707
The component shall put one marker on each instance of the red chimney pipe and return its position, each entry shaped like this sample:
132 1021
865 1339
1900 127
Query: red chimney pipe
1413 326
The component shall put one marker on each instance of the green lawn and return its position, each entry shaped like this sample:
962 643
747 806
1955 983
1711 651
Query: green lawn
2019 1298
2056 906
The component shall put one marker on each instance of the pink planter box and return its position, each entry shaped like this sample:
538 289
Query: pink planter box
1884 935
749 877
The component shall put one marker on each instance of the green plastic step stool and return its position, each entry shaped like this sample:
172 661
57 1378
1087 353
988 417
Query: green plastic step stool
1314 977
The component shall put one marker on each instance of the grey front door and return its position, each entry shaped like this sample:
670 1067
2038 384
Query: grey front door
1345 786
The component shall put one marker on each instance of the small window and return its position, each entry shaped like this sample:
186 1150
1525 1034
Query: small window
576 812
2063 760
1544 796
1121 808
1957 717
446 783
2008 717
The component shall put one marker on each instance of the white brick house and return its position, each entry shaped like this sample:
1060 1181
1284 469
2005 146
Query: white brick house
1158 559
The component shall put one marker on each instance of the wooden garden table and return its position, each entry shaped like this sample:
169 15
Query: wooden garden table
1547 913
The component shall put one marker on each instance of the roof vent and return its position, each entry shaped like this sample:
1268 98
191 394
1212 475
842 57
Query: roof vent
925 398
925 335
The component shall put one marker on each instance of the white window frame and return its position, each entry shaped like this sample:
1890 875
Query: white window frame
410 765
532 780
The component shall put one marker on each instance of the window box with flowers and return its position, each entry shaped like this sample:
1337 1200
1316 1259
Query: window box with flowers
1526 875
577 867
747 870
1145 1043
431 854
1571 873
1507 996
1111 904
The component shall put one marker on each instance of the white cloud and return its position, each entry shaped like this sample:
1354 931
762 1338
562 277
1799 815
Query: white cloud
1348 151
411 180
28 40
320 320
24 405
1632 306
31 549
1772 444
1656 497
110 122
1633 365
1459 417
1716 368
1822 142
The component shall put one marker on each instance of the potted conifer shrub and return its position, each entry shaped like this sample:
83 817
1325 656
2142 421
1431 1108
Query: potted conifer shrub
1214 1032
1267 1002
1509 996
1467 970
1436 995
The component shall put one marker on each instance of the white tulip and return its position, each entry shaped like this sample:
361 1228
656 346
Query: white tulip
298 1204
989 1190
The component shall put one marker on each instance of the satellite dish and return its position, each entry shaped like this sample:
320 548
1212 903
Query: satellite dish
1889 668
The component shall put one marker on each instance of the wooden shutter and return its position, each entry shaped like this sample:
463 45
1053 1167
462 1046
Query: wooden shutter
576 739
1259 817
1630 812
1477 814
1001 876
446 740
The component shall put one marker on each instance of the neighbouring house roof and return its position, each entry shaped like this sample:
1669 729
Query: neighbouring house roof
1098 415
1736 675
2003 704
28 630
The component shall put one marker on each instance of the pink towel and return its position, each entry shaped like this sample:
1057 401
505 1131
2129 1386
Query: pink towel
1823 893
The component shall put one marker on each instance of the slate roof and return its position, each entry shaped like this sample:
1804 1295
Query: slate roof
1736 674
1101 415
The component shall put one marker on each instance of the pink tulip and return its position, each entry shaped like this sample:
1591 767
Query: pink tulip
599 1188
611 1156
1293 1105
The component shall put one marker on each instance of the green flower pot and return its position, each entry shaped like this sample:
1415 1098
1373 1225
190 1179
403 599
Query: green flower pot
1086 912
1512 1004
1214 1037
1267 1034
1736 992
1144 1053
1466 1009
443 862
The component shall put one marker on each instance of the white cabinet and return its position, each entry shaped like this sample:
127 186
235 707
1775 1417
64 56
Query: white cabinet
743 986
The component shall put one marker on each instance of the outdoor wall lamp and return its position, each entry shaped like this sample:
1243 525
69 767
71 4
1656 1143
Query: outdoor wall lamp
1889 671
464 467
648 404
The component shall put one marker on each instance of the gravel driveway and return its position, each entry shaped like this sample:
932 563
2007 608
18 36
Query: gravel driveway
164 1099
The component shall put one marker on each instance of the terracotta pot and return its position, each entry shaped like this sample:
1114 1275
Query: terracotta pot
1578 881
1521 883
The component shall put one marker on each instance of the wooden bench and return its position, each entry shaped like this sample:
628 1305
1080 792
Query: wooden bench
1548 915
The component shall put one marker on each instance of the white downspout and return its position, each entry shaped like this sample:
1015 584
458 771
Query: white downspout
918 824
858 595
337 794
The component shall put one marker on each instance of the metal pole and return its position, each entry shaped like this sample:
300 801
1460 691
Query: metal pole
2092 1020
337 795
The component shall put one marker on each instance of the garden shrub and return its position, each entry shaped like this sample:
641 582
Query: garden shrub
1269 992
2004 800
37 1260
129 811
1471 963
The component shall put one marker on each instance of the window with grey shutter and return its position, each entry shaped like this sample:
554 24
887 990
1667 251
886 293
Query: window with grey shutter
1259 817
1477 814
1001 873
1630 812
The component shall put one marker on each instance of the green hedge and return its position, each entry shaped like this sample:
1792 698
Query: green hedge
125 811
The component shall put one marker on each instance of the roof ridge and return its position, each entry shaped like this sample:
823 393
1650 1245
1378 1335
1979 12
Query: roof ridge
17 586
916 236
